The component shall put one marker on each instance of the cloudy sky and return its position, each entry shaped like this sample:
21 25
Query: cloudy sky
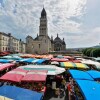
78 21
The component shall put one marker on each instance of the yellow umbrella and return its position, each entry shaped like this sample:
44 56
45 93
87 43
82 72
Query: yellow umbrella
73 65
81 65
67 64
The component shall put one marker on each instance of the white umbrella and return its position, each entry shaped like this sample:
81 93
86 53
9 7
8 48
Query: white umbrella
52 69
91 62
55 63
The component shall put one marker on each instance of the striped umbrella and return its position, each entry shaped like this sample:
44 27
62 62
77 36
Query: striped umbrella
73 65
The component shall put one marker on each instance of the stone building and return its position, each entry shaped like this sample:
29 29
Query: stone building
10 43
43 44
59 45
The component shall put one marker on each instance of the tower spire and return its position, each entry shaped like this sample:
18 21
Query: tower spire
57 34
43 13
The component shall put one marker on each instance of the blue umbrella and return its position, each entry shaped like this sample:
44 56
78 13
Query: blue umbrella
89 89
17 93
5 61
94 74
77 74
40 61
27 60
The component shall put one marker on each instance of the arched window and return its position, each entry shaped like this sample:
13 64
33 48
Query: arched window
39 45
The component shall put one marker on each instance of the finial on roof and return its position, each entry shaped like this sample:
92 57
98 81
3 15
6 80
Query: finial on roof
37 34
51 37
57 34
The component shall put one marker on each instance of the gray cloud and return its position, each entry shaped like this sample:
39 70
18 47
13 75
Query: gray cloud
22 18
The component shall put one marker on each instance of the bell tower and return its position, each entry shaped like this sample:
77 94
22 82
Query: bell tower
43 30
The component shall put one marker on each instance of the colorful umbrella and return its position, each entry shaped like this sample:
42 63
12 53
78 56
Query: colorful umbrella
5 66
73 65
52 69
16 93
14 75
35 75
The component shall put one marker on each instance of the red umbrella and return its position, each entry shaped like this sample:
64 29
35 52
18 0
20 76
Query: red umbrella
5 66
36 75
14 75
76 61
59 59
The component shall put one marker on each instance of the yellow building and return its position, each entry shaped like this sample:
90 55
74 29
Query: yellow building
10 43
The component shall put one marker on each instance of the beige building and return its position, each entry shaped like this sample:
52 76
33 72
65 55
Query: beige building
10 43
43 44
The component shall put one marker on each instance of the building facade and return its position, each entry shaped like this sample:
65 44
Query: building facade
43 44
10 43
59 45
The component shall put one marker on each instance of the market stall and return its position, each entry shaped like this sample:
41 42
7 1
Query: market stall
72 65
16 93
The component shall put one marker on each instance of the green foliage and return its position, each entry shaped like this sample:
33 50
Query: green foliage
92 52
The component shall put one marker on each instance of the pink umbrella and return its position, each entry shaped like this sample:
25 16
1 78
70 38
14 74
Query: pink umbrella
5 66
59 59
36 75
14 75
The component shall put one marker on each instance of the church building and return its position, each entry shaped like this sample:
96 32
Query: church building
43 44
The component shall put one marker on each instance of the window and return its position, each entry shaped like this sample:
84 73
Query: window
3 38
3 48
39 45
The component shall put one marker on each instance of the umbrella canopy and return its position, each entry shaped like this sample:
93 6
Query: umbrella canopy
97 59
17 93
59 59
11 57
5 66
35 75
52 69
27 60
91 62
94 74
55 63
73 65
59 56
89 89
6 57
5 61
39 61
14 75
76 74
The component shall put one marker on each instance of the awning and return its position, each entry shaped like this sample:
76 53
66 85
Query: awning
17 93
27 60
5 61
5 66
77 74
94 74
13 57
14 75
54 63
59 59
35 75
89 89
52 69
73 65
39 61
91 62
